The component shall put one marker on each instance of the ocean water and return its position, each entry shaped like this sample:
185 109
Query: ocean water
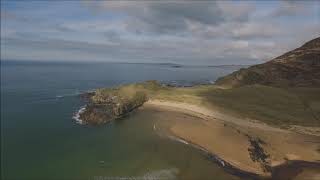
40 140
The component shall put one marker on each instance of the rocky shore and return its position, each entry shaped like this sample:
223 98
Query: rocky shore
107 104
99 111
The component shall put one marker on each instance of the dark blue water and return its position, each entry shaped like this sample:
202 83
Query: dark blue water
40 140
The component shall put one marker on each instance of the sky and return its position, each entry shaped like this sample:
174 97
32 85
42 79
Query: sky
183 32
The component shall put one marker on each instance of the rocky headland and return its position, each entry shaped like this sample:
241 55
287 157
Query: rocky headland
107 104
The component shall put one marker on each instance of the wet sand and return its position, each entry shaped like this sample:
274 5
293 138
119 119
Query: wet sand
249 146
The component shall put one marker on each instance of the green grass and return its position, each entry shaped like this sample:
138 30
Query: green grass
129 91
274 106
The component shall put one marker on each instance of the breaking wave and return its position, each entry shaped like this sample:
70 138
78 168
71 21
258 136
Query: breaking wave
76 116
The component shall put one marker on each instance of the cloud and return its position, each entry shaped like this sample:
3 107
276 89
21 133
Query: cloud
256 30
292 8
174 16
240 44
189 51
233 11
7 15
186 32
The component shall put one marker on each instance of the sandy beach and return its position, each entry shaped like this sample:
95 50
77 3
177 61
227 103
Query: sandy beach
248 145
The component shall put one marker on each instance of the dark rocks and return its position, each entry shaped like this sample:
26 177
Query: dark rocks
257 153
96 114
108 106
87 96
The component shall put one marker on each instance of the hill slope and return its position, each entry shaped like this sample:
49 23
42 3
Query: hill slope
297 68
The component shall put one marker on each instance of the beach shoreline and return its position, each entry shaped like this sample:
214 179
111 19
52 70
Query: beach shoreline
204 112
220 134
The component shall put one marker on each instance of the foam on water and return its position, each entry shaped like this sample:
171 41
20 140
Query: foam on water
178 139
165 174
77 115
68 95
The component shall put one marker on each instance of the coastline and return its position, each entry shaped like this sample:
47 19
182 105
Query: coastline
214 114
228 138
231 169
241 146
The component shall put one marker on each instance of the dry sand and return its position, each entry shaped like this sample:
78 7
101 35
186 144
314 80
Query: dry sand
228 137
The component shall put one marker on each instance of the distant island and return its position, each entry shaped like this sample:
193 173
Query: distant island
258 120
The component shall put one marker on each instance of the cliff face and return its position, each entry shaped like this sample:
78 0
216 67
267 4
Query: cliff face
297 68
110 108
108 104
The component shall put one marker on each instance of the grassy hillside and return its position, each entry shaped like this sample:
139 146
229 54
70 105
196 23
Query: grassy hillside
297 68
272 105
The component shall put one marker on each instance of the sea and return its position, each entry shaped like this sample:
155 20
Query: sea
40 139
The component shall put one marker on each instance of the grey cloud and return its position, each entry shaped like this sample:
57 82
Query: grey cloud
5 15
62 28
199 19
236 12
175 16
257 30
187 51
239 31
144 31
293 8
203 12
112 35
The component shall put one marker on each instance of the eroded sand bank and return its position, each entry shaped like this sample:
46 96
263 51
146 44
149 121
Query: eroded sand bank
247 145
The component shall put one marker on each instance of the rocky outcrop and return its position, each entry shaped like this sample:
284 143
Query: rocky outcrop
297 68
112 108
112 103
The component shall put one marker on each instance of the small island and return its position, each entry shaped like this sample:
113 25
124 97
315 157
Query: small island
258 120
